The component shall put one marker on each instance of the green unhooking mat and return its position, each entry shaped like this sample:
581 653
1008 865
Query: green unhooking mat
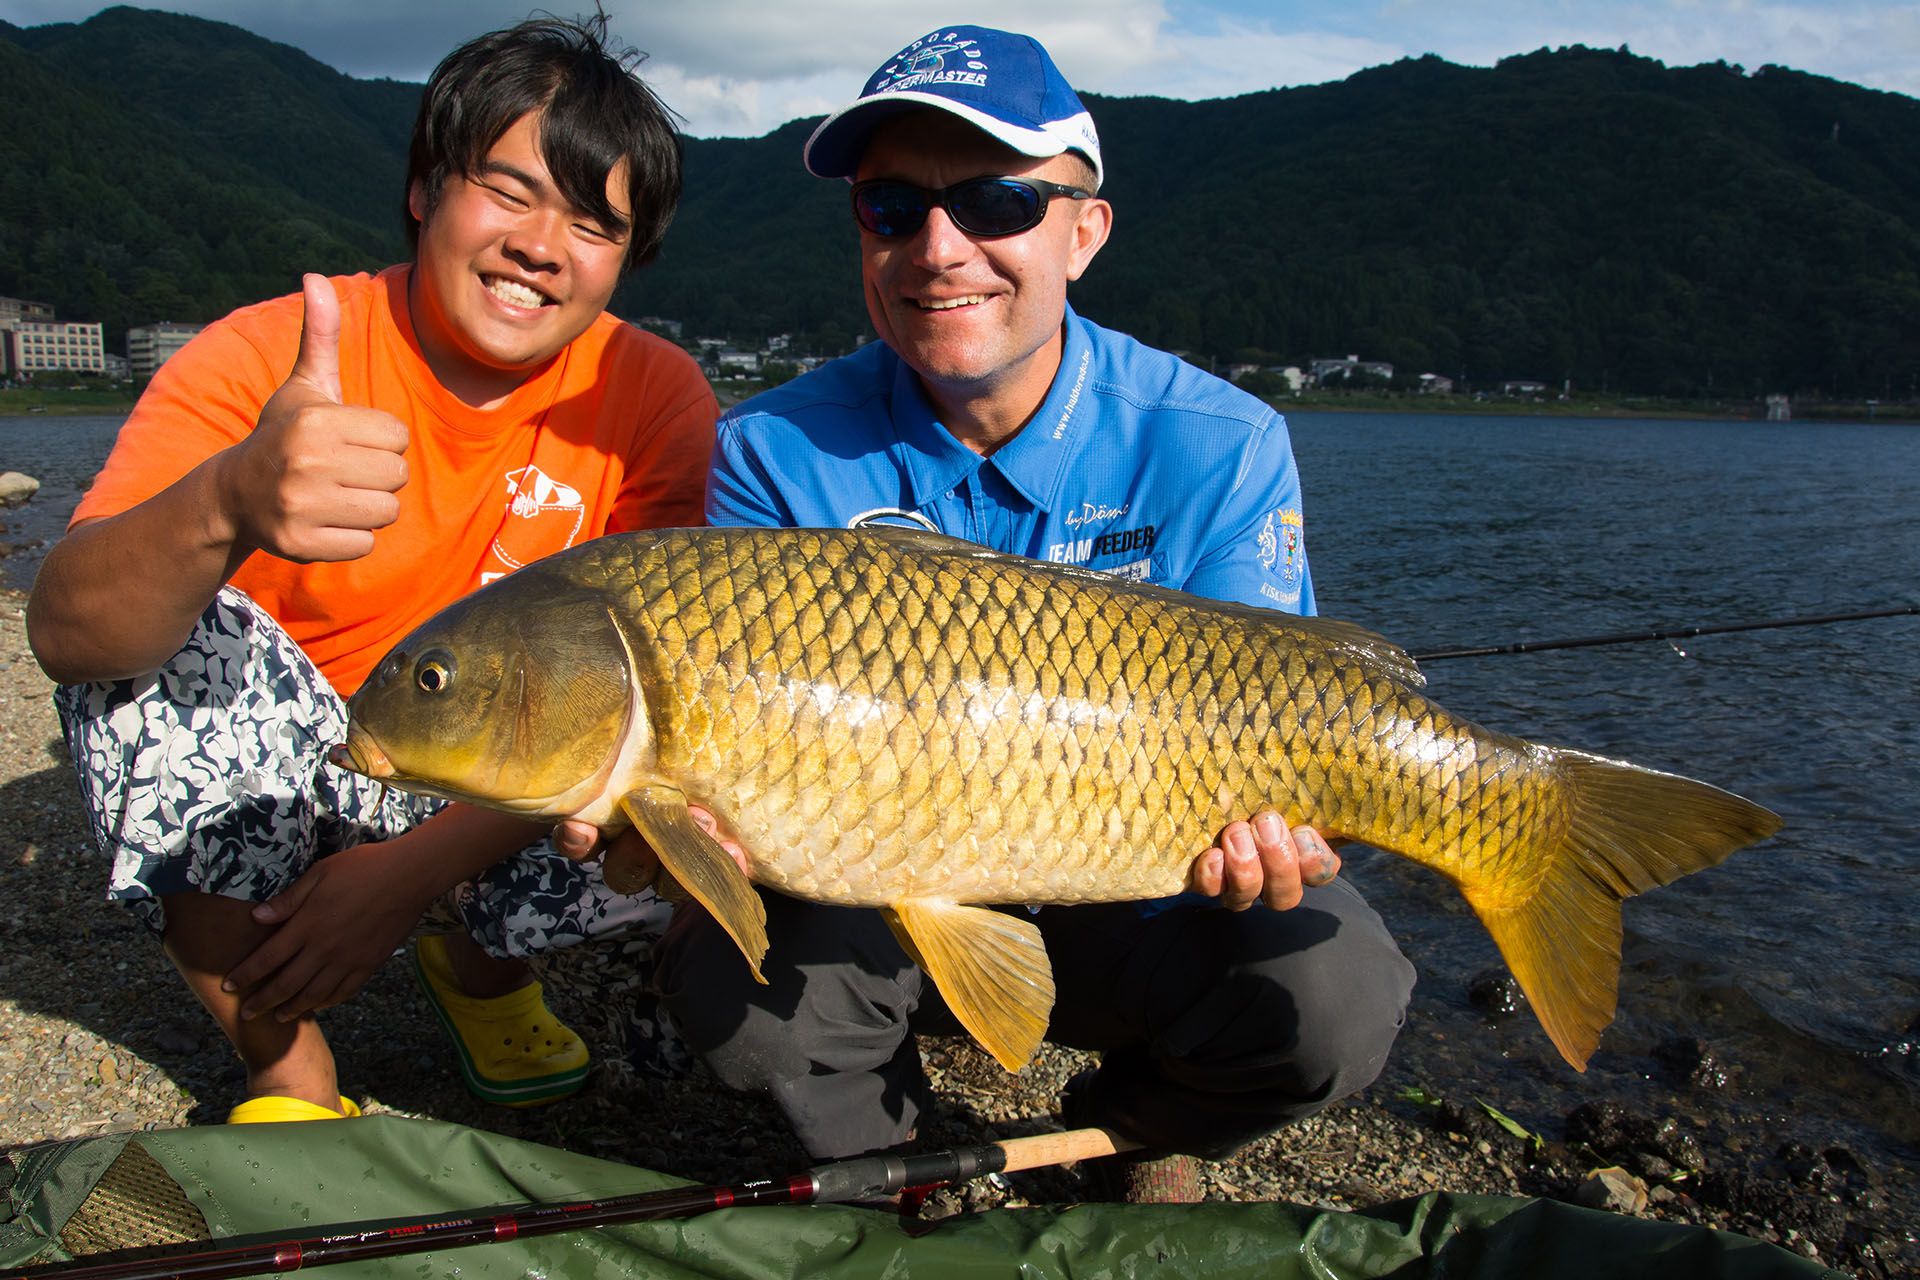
294 1181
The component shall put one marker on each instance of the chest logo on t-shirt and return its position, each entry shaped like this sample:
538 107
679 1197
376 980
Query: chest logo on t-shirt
1136 544
544 515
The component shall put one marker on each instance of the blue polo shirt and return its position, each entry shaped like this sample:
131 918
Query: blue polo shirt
1136 463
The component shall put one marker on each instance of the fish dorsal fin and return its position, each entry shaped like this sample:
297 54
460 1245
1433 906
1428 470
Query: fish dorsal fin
991 969
1369 646
706 870
919 540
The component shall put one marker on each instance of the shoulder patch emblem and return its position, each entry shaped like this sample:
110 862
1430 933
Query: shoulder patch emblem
1283 554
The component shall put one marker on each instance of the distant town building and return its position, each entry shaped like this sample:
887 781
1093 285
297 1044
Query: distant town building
12 312
149 345
1435 384
18 309
736 359
661 325
1323 371
1522 387
1267 379
1780 407
117 367
49 346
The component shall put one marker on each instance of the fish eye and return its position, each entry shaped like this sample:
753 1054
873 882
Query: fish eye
434 672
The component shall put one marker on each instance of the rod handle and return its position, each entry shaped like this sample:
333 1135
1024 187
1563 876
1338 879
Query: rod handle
1044 1149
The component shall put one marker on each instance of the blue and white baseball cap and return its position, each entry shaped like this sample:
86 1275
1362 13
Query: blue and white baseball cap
999 82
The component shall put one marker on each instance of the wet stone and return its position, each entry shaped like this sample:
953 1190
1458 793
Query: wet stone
1692 1061
1611 1131
1612 1189
1495 993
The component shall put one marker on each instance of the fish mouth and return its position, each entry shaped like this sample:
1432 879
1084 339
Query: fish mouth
361 754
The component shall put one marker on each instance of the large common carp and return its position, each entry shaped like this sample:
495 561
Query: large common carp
898 719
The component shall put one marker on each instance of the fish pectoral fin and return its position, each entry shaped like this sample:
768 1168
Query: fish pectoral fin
707 871
670 890
991 968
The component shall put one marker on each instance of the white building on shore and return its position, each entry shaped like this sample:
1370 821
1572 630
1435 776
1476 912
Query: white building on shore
47 346
149 345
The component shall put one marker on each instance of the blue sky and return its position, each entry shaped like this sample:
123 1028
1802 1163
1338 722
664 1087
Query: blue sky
742 67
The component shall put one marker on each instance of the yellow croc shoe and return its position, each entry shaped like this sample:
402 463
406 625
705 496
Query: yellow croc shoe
274 1110
512 1050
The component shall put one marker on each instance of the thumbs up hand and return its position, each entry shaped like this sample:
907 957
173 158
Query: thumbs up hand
315 478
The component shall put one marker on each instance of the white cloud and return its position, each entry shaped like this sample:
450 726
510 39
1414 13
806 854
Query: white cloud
731 66
792 66
734 66
1242 59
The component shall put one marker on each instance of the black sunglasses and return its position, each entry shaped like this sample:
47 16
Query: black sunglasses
979 206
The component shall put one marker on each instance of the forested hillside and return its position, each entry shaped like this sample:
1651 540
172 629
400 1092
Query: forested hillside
1574 214
158 167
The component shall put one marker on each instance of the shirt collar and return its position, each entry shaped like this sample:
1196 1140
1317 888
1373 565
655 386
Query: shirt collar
1034 462
935 459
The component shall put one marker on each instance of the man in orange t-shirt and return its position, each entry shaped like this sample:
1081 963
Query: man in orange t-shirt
302 485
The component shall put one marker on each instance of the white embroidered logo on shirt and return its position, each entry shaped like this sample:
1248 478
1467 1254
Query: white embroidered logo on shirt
545 516
532 491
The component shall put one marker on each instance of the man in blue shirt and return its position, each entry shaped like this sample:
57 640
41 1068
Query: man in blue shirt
989 410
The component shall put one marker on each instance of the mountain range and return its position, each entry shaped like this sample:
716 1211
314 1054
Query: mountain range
1575 214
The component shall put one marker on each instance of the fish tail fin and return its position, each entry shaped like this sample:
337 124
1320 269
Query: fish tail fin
1632 829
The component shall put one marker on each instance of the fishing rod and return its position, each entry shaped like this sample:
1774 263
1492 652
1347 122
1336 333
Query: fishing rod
861 1178
1669 634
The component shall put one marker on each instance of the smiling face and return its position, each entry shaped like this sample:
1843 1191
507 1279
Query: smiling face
507 271
978 319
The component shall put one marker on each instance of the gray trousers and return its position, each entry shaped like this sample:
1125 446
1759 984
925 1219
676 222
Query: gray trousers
1215 1027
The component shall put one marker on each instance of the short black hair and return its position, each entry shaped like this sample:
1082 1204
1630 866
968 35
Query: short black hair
597 113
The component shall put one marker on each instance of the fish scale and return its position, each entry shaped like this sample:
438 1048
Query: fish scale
897 719
1173 779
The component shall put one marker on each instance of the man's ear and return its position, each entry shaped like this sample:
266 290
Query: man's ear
417 200
1090 231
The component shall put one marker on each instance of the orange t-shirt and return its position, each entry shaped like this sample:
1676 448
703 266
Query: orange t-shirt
614 434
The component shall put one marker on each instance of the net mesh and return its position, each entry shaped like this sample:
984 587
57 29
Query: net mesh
134 1204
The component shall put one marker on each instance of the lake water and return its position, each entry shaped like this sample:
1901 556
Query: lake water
62 453
1796 960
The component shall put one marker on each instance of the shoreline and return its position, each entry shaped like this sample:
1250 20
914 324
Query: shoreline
105 410
1283 405
1591 413
97 1034
729 396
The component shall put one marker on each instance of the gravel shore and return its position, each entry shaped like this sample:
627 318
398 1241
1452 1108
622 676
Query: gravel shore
97 1034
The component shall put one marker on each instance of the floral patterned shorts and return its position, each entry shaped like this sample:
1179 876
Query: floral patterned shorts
211 775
